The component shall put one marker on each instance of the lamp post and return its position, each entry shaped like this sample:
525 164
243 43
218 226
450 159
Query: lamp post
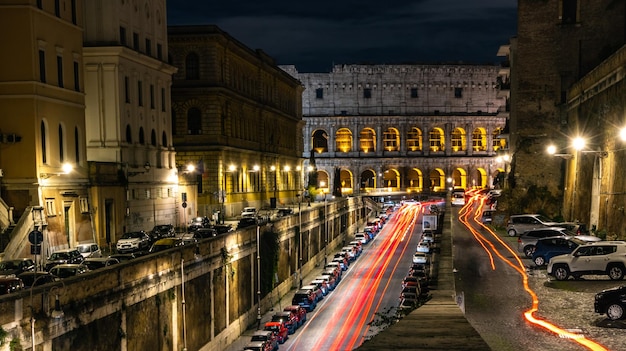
325 227
57 313
182 285
300 240
258 272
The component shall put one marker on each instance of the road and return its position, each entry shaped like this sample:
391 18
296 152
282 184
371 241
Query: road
369 291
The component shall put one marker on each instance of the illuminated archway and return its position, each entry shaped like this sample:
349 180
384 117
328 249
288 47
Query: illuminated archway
343 140
319 141
368 180
479 139
458 140
414 139
391 139
437 180
367 140
323 182
345 177
437 140
391 179
459 178
480 179
415 180
499 142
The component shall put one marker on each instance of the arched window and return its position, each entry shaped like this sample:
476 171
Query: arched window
142 137
320 141
343 140
61 144
437 141
479 139
164 140
414 140
391 139
153 139
129 135
194 121
499 142
458 140
367 140
44 139
192 66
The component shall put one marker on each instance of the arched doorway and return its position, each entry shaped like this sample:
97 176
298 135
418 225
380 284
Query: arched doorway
368 181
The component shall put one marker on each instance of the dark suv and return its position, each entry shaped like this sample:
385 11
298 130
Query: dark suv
527 241
612 302
304 298
162 231
63 257
547 248
16 266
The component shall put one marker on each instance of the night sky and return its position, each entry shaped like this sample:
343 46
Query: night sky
314 35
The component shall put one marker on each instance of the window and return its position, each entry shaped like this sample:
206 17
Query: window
42 66
44 137
192 63
129 135
76 145
164 140
50 208
163 99
414 140
367 140
60 71
136 41
148 47
367 93
458 140
194 121
319 93
479 140
153 138
142 137
84 204
436 140
140 92
57 8
61 144
458 93
414 93
151 96
73 11
159 51
123 39
570 11
40 4
391 139
173 121
76 77
343 140
127 89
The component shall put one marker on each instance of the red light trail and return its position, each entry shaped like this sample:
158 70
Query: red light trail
476 202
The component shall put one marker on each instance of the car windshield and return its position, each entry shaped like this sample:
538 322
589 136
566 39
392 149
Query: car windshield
84 248
544 219
131 235
258 338
59 256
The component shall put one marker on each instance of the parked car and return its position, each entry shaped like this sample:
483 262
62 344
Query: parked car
611 302
67 270
406 305
89 250
161 231
266 336
602 257
123 257
280 330
198 222
133 242
289 318
223 228
423 246
487 216
458 198
420 257
204 233
547 248
248 212
94 263
321 284
362 237
10 284
36 277
519 224
428 237
299 311
350 251
304 298
319 294
575 227
527 241
343 262
245 222
259 346
410 290
330 280
165 244
358 245
16 266
62 257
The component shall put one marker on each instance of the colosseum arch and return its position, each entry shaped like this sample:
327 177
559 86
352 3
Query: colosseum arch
458 138
437 140
415 180
391 179
343 140
368 180
459 178
479 139
480 179
499 143
437 180
391 139
345 177
414 139
367 140
323 181
319 141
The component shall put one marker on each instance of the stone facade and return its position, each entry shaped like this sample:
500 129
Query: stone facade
397 128
557 43
237 119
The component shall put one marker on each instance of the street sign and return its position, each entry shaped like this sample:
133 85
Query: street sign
35 237
184 205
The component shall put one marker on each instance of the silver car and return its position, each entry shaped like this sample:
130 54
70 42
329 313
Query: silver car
519 224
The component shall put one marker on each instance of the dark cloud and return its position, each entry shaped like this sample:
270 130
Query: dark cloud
314 35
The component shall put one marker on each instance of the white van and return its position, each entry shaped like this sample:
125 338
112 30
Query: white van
248 212
458 198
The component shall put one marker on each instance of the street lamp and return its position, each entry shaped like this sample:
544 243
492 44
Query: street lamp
258 273
300 240
182 285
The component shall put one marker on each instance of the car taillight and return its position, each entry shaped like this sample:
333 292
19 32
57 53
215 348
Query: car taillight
519 240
